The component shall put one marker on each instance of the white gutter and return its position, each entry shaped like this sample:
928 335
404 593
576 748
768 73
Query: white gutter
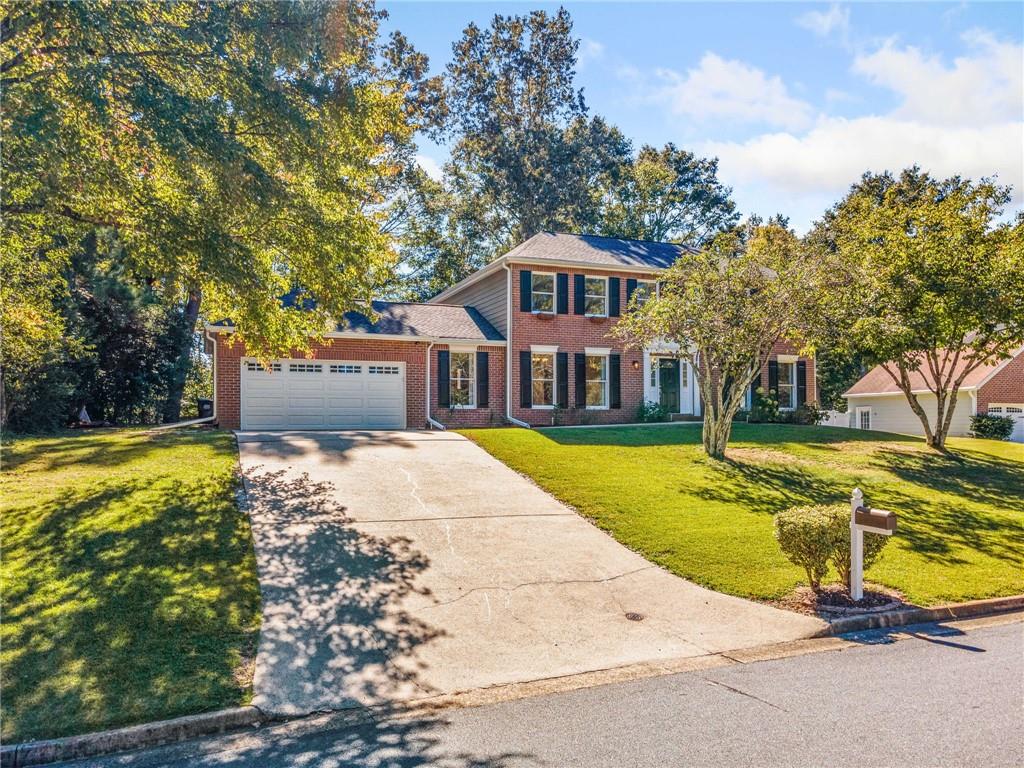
431 421
206 335
508 350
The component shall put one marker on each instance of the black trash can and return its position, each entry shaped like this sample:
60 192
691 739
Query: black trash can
205 408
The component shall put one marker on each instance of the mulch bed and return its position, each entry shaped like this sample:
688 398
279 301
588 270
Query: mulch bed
834 599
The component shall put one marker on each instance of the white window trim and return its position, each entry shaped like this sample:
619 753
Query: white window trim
593 295
536 349
554 293
471 405
605 353
656 292
789 359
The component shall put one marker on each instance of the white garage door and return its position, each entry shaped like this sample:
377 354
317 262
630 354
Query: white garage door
323 394
1014 411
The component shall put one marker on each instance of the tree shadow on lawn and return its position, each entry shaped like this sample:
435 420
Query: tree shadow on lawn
936 529
335 632
144 614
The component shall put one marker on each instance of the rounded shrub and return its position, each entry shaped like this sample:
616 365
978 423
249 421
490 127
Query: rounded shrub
839 522
805 535
991 426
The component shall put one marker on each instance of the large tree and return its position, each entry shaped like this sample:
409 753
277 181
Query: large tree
236 149
526 157
924 280
725 307
668 195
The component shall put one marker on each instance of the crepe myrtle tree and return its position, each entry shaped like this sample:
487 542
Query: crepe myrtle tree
725 307
924 279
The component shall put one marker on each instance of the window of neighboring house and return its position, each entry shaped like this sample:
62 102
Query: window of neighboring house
462 379
787 385
543 379
542 292
597 381
595 296
645 289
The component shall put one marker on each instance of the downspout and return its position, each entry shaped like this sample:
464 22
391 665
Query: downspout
206 335
431 422
508 350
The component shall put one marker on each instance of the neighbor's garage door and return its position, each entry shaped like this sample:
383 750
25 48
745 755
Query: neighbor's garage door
323 394
1016 412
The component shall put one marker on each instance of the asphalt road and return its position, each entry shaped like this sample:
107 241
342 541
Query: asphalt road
939 698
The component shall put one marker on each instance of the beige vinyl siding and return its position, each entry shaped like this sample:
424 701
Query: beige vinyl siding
891 413
488 296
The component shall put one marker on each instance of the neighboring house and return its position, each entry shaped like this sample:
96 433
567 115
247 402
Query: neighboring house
523 340
875 402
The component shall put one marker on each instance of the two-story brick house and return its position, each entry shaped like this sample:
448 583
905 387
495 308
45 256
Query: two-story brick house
524 340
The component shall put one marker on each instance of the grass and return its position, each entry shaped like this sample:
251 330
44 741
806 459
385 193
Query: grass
129 581
961 517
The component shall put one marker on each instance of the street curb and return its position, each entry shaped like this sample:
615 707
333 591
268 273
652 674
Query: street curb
903 616
133 737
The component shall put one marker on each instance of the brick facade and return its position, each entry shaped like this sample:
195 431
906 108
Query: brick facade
491 416
572 333
1007 386
412 353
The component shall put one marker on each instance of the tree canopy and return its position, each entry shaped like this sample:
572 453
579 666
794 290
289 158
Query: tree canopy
923 278
725 306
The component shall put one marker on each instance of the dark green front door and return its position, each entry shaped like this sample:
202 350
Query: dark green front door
668 383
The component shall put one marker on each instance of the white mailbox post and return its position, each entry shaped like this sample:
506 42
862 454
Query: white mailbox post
863 519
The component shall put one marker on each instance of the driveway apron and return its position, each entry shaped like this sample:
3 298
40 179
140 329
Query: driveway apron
401 565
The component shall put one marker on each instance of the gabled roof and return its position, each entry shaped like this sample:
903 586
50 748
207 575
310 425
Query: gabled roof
878 382
598 251
429 322
432 321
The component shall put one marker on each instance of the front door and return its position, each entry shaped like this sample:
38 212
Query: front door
668 383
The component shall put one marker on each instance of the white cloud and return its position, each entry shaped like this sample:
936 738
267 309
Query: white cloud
977 89
430 166
727 89
966 118
589 51
824 23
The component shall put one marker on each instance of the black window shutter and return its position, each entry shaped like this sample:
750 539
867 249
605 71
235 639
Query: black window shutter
525 379
482 379
525 290
444 378
613 296
754 386
577 299
562 302
630 289
614 381
581 380
773 376
801 382
562 374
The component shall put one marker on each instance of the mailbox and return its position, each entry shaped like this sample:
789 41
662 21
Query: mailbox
875 520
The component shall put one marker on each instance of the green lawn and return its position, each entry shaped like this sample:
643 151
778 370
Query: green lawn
129 581
961 520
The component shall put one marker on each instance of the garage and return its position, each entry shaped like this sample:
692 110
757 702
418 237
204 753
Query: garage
322 394
1016 412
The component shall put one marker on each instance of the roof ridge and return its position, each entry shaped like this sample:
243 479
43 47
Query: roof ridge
620 239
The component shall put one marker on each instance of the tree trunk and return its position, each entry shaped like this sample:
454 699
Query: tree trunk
179 372
717 429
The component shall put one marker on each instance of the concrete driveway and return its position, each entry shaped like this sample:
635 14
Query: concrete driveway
402 565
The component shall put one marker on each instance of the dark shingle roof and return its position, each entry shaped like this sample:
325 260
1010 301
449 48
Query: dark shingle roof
591 249
441 321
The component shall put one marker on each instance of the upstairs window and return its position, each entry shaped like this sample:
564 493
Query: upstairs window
462 378
595 296
543 292
645 290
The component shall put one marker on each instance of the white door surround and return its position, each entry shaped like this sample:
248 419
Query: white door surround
688 401
863 417
322 394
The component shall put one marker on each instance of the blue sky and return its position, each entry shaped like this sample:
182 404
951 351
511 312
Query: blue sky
796 99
